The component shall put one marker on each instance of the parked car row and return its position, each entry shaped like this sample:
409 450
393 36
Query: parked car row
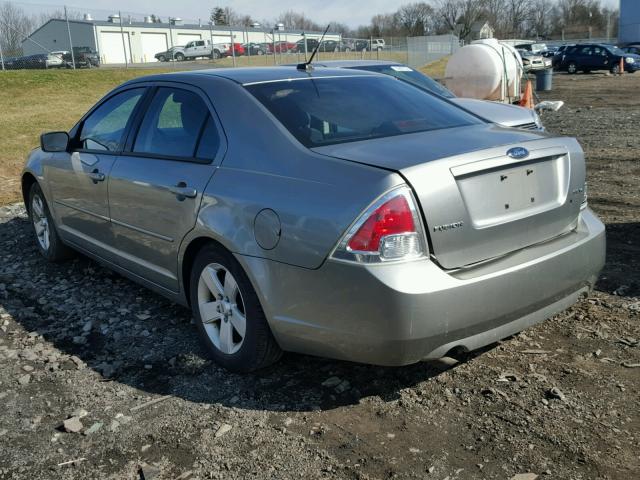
207 49
82 57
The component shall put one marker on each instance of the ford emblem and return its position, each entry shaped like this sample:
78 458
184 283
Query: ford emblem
518 153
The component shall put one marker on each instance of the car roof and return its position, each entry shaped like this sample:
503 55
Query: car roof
253 75
349 63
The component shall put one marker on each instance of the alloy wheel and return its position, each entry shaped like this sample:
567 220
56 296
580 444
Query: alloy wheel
40 222
222 309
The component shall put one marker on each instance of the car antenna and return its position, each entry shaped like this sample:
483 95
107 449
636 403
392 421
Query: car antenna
306 66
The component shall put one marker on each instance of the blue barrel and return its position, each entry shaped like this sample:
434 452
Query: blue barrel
544 80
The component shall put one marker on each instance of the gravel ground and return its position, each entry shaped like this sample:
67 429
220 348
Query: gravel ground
100 378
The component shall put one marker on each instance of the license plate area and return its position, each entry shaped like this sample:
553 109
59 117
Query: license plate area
504 194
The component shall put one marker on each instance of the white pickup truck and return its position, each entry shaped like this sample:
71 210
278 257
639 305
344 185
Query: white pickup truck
202 48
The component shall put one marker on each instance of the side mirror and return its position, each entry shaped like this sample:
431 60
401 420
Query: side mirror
54 141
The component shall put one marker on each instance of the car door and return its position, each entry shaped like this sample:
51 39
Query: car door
156 186
78 178
600 58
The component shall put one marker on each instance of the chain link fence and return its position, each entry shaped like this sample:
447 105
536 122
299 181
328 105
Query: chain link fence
34 36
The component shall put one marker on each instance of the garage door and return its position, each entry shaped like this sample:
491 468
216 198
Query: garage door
152 43
111 48
183 38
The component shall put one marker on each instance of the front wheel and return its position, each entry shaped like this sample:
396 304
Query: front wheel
49 243
162 58
572 68
228 314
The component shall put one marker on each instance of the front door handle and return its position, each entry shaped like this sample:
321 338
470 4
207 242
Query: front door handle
182 191
96 176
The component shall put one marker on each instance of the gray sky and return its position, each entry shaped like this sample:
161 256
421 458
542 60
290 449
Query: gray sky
351 12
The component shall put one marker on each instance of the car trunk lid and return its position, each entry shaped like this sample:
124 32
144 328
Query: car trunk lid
480 203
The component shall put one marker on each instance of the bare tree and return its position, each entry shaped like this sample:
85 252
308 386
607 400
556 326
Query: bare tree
297 21
15 26
416 18
460 15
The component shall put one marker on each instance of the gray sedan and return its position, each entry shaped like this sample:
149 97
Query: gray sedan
330 212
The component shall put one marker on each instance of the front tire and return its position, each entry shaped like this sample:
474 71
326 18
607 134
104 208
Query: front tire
572 68
228 314
162 58
47 239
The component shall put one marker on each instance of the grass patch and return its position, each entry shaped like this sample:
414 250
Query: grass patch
436 69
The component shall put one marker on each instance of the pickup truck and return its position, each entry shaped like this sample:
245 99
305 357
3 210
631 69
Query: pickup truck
202 48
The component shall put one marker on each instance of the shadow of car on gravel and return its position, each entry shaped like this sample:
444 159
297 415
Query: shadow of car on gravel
132 336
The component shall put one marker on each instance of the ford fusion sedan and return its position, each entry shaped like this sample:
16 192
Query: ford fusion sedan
359 218
501 113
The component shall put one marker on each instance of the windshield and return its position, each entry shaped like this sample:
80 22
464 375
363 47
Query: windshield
616 51
325 111
411 76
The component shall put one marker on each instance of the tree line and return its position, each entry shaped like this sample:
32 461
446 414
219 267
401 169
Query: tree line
507 18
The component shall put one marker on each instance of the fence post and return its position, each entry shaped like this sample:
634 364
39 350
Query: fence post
124 45
247 50
73 56
233 47
304 37
1 56
211 40
273 42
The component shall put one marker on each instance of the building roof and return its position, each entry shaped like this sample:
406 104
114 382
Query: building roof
206 26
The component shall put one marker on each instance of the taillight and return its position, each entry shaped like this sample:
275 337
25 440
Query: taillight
389 230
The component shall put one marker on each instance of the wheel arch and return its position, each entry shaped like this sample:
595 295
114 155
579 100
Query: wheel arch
27 181
188 257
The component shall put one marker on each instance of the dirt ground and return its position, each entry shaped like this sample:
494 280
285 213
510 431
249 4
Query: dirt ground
561 400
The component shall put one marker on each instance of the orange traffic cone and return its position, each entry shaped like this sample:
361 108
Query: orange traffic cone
527 98
621 65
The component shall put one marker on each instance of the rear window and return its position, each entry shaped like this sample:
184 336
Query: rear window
325 111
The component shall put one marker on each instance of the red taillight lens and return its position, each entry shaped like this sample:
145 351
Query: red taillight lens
389 230
392 217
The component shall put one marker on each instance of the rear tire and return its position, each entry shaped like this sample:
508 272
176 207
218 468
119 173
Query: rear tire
224 303
615 69
47 239
179 57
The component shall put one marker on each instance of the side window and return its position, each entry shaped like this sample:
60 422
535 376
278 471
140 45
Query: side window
585 51
200 43
189 45
172 124
104 128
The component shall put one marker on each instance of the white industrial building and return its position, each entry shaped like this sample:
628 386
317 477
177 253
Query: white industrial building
140 41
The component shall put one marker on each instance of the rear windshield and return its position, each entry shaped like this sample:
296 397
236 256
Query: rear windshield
325 111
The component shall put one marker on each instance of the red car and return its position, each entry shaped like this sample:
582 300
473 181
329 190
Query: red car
281 47
239 50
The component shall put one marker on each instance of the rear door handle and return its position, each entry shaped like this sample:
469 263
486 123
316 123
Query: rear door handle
181 190
96 176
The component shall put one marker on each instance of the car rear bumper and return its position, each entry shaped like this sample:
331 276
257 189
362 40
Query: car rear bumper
397 314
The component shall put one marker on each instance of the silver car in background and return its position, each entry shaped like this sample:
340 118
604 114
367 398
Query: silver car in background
501 113
330 212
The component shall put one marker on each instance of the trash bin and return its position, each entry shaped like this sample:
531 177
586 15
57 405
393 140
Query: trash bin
544 80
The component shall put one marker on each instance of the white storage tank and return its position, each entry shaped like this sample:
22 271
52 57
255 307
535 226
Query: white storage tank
486 70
